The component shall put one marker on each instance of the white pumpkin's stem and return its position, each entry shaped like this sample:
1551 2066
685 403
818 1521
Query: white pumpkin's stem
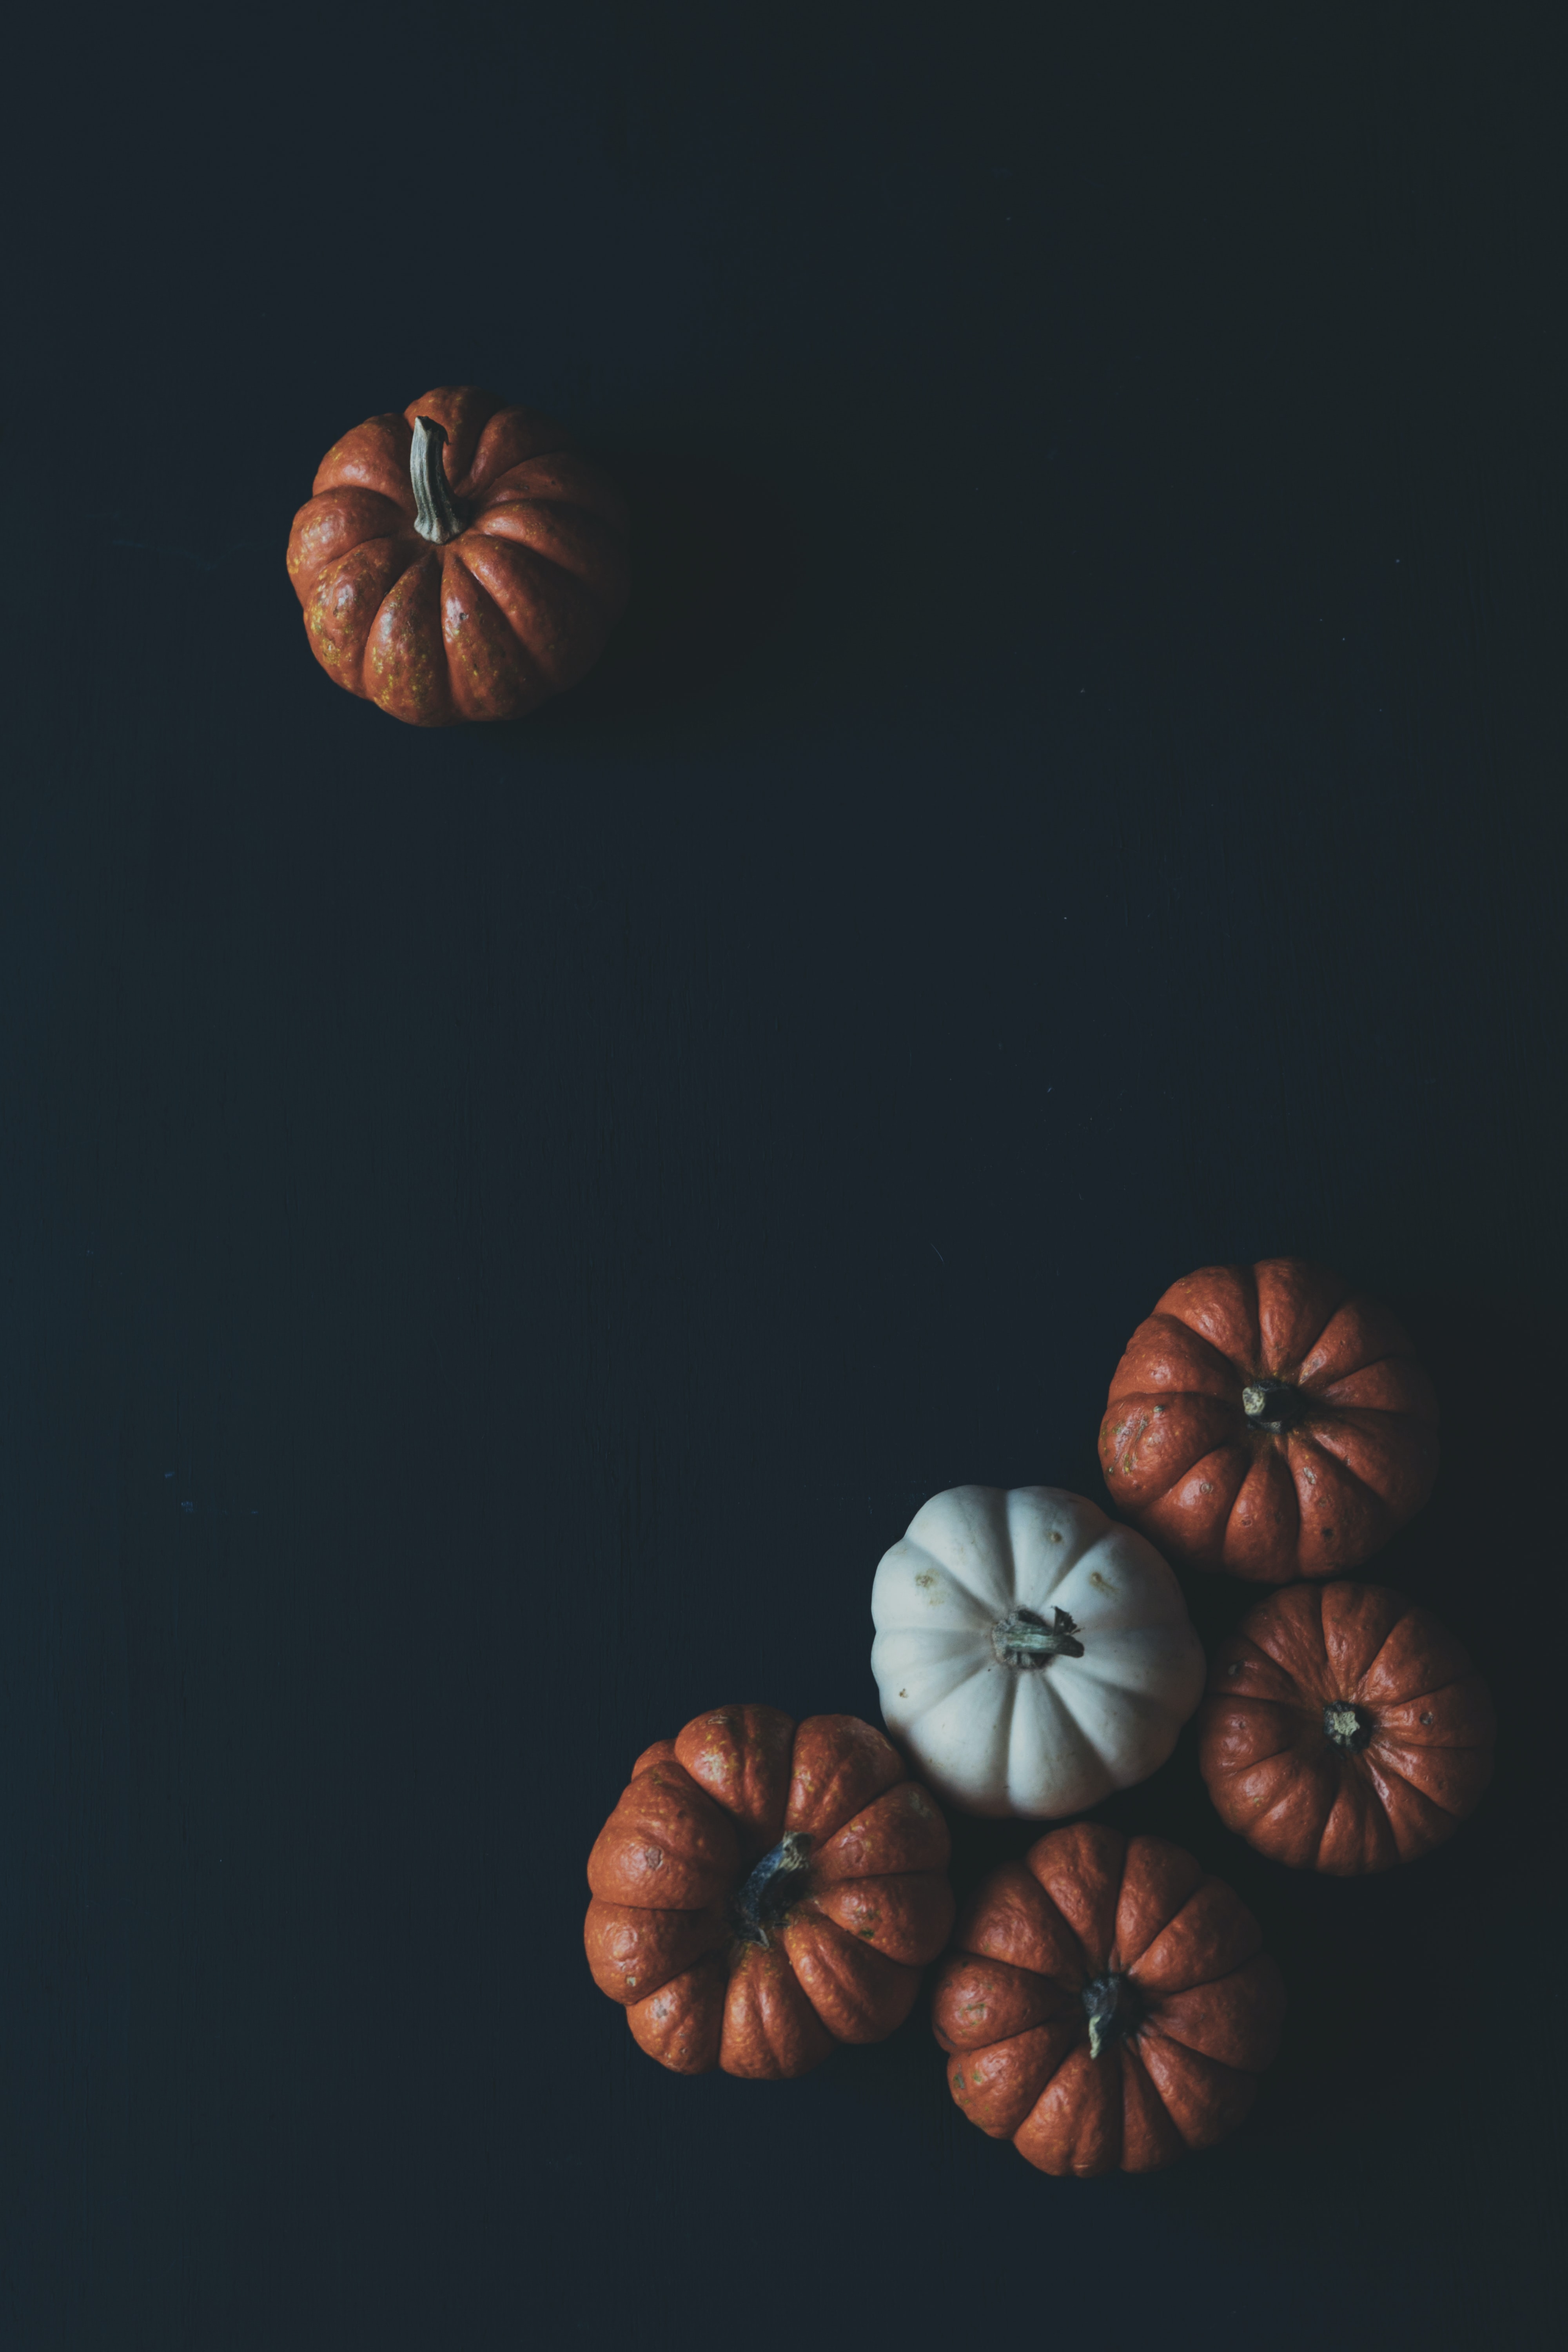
771 1888
440 516
1026 1641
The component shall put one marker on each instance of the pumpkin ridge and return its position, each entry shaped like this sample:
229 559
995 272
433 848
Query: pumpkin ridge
567 480
1361 1334
558 445
381 452
739 1755
1289 1791
574 589
1189 1332
1098 1766
1240 2075
1400 1449
1148 1404
1370 1666
1006 1709
1276 1450
1251 1654
1306 1437
596 525
486 655
368 688
1342 1416
453 553
680 2025
985 1500
1135 1701
889 1921
1359 1802
1234 1449
1158 1881
1317 1383
338 659
1244 1937
476 530
687 1944
1384 1764
971 1659
1246 1280
1291 1741
1297 1651
1155 2000
1287 1291
1146 2119
1419 1698
859 1993
1334 1488
305 563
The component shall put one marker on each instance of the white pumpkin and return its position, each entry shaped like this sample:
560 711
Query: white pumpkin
1031 1655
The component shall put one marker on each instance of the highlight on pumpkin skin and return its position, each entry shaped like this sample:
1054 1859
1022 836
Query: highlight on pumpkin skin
1030 1655
1106 2004
1345 1729
1267 1421
459 561
765 1890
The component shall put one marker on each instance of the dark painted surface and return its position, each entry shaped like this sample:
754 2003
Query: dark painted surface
501 1228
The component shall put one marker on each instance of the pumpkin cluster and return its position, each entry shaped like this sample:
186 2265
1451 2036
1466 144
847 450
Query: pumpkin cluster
766 1890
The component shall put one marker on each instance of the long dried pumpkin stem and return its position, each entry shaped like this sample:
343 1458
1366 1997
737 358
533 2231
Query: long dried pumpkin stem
440 516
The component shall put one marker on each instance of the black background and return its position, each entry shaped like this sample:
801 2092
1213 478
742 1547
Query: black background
503 1226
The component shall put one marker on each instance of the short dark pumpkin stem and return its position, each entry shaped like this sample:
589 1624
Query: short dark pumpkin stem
766 1895
1346 1726
1113 2009
439 516
1026 1641
1272 1405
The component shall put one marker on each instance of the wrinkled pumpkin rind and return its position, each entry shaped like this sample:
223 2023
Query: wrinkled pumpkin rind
1210 2004
1213 1490
1277 1780
872 1909
516 608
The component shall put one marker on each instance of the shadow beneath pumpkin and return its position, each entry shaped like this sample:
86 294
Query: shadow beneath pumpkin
713 573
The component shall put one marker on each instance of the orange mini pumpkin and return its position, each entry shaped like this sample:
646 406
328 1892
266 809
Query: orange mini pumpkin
459 561
1267 1421
1106 2004
1345 1729
765 1889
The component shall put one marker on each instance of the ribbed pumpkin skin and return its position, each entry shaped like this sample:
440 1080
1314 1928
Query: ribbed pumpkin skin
841 1960
1203 2004
1214 1489
1424 1733
514 609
